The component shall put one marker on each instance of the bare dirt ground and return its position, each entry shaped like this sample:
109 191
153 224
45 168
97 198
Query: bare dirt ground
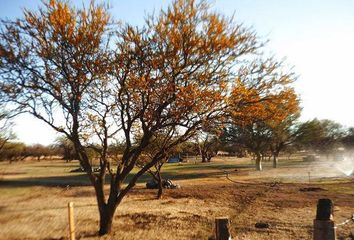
34 196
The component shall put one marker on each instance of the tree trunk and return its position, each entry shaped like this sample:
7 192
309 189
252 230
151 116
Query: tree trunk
204 159
275 160
259 162
106 210
159 193
209 156
106 219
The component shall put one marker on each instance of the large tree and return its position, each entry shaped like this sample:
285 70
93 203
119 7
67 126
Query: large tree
207 140
13 152
66 148
322 136
282 135
261 101
254 137
169 76
208 144
348 139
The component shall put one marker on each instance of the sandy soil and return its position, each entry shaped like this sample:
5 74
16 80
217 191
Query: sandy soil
37 211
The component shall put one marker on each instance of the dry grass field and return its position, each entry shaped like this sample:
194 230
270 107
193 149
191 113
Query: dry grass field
34 196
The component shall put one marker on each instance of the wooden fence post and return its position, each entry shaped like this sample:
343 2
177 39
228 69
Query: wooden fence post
222 228
71 220
323 226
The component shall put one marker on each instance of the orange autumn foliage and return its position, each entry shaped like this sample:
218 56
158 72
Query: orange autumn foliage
180 63
266 98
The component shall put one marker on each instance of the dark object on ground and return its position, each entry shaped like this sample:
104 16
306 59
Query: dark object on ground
175 159
262 225
311 158
152 184
80 169
169 184
311 189
94 169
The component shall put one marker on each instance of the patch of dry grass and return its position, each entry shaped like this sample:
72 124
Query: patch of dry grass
37 210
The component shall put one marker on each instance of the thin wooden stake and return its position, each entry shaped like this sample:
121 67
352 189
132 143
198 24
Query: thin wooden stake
222 228
71 220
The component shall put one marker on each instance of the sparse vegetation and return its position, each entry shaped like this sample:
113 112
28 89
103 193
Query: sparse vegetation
41 191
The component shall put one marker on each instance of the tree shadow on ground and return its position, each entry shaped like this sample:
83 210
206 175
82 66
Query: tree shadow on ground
52 181
175 175
173 172
209 166
82 180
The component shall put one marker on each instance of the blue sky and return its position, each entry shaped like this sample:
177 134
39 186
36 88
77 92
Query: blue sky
315 36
